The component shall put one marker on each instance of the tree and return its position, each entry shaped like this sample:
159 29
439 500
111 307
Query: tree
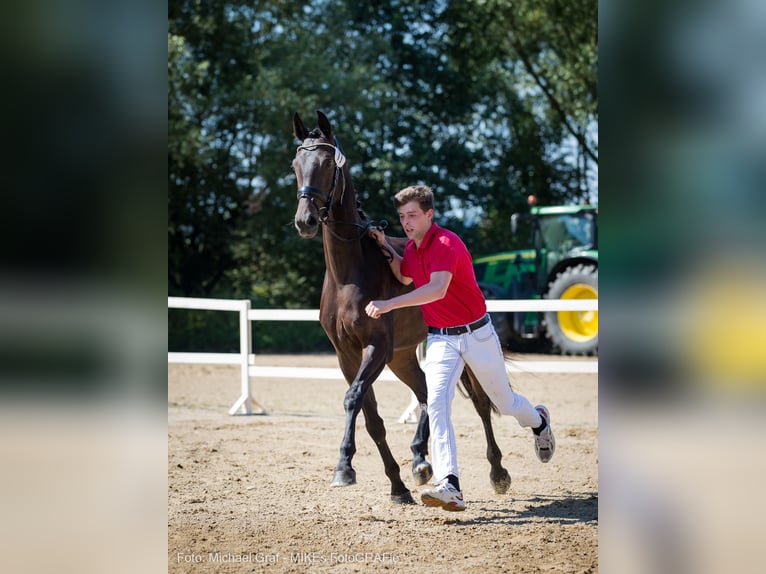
548 51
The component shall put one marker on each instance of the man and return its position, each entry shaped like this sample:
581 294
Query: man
459 332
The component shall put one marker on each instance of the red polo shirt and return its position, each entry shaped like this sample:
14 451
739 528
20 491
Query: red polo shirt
443 250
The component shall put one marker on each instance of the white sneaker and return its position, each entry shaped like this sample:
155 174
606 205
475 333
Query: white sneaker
545 442
444 495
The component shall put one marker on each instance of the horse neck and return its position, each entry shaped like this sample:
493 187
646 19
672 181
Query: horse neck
343 257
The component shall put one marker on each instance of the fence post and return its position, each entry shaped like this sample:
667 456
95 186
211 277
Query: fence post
245 401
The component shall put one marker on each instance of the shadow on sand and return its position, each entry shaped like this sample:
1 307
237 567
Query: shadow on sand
557 509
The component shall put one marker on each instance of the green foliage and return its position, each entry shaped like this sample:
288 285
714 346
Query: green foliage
218 332
192 331
486 101
281 337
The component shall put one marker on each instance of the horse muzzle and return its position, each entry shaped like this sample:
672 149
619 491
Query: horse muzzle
307 219
308 228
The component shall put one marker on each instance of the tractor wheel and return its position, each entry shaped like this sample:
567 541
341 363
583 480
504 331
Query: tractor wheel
574 332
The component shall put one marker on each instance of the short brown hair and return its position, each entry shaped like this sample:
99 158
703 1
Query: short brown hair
423 194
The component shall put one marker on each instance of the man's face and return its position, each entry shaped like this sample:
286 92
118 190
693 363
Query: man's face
415 221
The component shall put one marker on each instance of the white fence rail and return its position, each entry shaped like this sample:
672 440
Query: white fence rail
246 359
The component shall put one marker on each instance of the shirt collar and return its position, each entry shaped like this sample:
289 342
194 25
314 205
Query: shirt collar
427 237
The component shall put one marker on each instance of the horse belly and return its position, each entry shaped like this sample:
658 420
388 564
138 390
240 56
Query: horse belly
409 328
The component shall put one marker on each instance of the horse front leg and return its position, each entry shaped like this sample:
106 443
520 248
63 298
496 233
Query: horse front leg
498 476
345 475
359 382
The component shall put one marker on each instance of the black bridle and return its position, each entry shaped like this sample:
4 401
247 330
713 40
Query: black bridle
313 193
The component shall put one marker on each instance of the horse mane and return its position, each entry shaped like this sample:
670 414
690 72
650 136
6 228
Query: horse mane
315 134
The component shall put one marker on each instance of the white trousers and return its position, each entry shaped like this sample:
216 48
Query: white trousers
446 355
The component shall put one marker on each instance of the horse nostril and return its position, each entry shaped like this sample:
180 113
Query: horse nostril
312 221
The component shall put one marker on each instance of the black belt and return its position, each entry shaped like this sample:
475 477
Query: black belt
460 329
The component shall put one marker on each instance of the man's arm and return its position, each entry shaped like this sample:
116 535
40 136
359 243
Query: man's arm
434 290
391 248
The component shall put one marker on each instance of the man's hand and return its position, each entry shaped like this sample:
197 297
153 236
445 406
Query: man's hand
377 308
377 234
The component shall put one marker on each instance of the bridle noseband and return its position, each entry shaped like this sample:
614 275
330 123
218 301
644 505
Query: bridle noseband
309 192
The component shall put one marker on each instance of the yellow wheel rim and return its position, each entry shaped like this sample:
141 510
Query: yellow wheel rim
580 326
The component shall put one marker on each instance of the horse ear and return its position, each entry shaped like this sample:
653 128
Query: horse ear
324 125
299 130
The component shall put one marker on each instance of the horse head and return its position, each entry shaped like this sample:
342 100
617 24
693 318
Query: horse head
318 167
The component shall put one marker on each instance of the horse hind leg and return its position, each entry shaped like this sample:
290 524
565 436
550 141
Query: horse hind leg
421 468
406 367
498 476
376 429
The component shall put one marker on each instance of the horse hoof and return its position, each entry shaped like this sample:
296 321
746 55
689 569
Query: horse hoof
422 473
501 484
405 498
344 478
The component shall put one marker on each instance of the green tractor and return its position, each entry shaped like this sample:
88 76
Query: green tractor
562 264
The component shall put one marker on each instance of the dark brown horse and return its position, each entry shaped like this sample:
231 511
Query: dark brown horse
356 273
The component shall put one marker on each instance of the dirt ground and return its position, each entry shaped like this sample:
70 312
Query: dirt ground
252 493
